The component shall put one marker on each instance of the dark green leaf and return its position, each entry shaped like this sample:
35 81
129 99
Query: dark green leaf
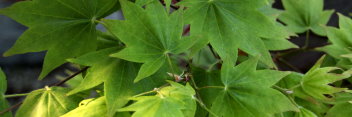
231 25
65 28
150 35
248 93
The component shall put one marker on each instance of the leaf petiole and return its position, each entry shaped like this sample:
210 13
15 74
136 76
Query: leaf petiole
218 87
205 107
16 95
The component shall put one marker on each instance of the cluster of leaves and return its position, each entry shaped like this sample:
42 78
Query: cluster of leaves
134 67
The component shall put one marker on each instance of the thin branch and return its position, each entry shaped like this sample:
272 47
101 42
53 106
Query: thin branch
70 77
217 87
289 65
11 108
57 84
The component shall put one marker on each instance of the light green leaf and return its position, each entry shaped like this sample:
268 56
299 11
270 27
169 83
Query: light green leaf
48 102
343 106
117 75
150 35
248 92
341 40
316 81
231 25
64 28
277 43
172 101
89 108
303 15
3 87
119 85
305 113
102 67
92 108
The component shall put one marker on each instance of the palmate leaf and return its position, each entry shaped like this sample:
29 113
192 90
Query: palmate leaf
48 102
92 108
117 76
303 15
248 92
341 40
343 106
172 101
277 43
150 35
316 81
65 28
3 102
231 25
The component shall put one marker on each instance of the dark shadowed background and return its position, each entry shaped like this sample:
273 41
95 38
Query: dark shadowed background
22 70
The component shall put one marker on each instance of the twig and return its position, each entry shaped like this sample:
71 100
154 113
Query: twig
57 84
218 87
70 77
289 65
11 108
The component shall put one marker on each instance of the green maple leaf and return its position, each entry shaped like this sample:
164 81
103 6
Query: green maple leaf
92 108
48 102
277 43
343 106
247 92
117 76
231 25
150 35
341 40
305 113
3 102
172 101
303 15
316 81
65 28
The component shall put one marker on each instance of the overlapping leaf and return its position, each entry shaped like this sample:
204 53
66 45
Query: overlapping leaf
150 35
316 81
3 101
277 43
48 102
65 28
343 106
172 101
117 76
341 40
248 93
231 25
92 108
303 15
